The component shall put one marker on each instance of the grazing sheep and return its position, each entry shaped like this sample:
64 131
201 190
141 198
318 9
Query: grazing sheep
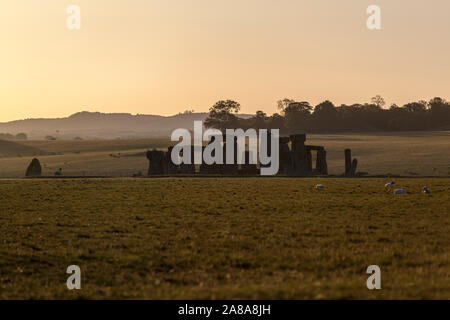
390 184
425 190
399 191
320 186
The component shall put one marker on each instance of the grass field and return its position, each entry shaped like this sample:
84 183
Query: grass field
183 238
422 153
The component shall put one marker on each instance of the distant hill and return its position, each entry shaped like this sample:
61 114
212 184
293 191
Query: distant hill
96 125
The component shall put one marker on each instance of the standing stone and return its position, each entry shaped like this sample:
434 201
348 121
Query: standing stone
214 168
248 168
34 169
309 159
165 163
285 156
321 162
325 163
232 168
354 167
156 159
221 168
204 168
172 168
300 162
348 162
186 168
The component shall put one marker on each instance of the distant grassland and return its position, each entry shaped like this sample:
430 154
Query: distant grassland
422 153
256 238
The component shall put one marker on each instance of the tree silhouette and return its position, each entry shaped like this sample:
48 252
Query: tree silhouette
326 117
284 103
378 101
222 115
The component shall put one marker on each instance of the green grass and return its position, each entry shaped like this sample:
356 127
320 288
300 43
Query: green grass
257 238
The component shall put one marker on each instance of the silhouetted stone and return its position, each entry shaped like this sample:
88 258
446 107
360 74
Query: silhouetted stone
354 167
204 168
321 162
213 168
230 169
315 148
350 165
300 161
348 162
248 168
34 169
172 168
186 168
285 156
325 163
309 160
156 159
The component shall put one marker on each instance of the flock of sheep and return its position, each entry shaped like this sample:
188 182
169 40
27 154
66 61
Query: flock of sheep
425 190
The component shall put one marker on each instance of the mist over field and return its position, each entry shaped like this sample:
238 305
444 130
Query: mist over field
407 153
96 125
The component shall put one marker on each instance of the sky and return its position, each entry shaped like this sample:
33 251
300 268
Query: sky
168 56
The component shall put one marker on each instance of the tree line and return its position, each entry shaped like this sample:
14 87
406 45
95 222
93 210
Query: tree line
326 117
9 136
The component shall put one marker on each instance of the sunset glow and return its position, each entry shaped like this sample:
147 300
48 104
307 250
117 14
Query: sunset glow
166 56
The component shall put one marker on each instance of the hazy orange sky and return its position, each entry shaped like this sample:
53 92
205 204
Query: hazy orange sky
167 56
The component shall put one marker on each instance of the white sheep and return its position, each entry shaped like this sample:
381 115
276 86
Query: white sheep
320 186
390 184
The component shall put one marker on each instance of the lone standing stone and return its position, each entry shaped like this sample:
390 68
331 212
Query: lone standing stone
34 169
348 162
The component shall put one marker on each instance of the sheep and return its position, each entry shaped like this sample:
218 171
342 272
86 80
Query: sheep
320 186
400 191
425 190
390 184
